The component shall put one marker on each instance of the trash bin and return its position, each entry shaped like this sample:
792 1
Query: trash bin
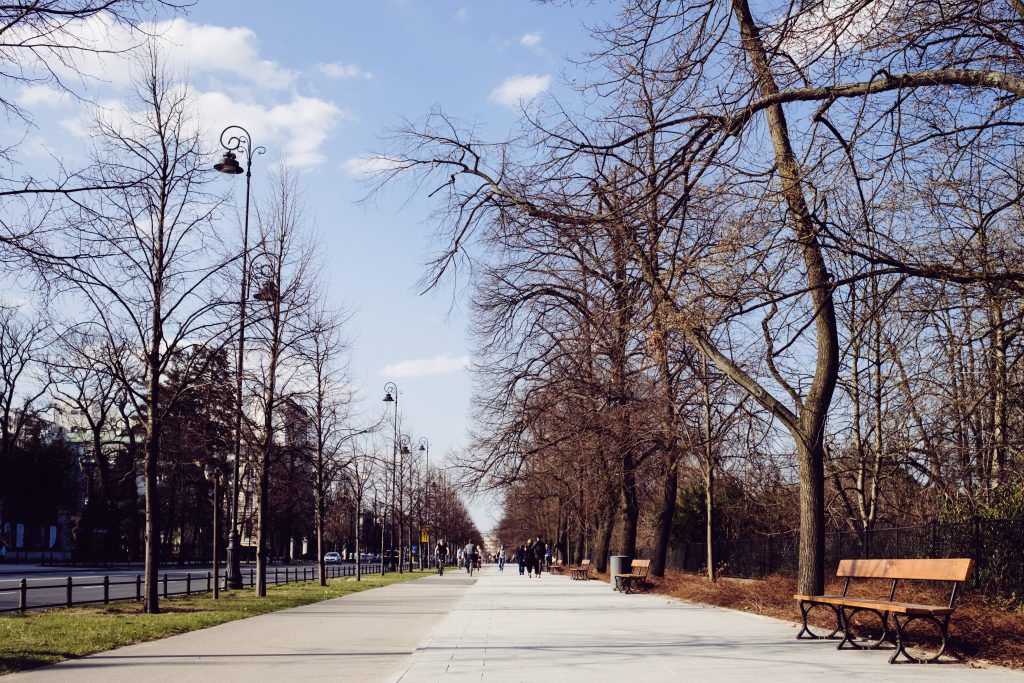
618 564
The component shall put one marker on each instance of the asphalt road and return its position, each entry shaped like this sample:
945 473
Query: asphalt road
49 588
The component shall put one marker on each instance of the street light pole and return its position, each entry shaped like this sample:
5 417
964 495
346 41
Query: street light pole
213 474
391 395
403 450
237 139
425 493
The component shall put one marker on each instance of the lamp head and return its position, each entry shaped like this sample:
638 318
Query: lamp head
388 398
228 164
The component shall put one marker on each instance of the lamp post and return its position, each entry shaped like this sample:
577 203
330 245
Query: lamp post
424 448
403 449
391 396
213 474
237 139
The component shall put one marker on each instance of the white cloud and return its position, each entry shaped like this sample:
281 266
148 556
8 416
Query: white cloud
297 128
462 15
438 365
532 39
368 165
241 86
190 47
516 89
342 71
41 95
234 50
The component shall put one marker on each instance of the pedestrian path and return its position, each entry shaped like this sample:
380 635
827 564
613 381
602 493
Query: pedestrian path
366 636
499 627
513 628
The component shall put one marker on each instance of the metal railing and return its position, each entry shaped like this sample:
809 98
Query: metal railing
994 544
89 590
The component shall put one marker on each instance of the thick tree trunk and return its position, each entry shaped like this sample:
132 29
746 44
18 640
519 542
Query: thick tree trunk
151 602
810 571
663 520
808 431
711 513
630 507
605 527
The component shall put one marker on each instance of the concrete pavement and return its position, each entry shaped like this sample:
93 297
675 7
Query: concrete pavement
500 627
366 636
512 628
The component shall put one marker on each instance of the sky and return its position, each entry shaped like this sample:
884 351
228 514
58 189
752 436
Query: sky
319 86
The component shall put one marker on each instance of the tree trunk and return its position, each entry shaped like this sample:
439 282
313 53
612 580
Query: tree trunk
630 507
810 571
709 508
605 527
808 431
663 520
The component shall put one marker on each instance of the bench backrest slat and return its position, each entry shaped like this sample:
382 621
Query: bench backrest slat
957 569
585 563
643 565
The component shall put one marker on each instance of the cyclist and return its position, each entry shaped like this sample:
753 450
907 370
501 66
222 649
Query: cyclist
441 555
469 556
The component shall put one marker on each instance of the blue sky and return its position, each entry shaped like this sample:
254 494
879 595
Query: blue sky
318 83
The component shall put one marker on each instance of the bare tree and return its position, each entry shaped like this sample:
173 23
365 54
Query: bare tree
145 257
287 272
24 376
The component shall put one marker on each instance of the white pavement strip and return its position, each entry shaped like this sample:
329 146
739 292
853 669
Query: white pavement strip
513 628
366 636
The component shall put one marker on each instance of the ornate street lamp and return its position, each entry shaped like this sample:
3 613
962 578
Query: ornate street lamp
391 396
424 448
237 139
403 450
212 473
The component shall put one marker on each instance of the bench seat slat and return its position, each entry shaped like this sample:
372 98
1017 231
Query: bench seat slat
881 605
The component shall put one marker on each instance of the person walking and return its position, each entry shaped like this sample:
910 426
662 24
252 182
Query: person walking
521 558
548 556
501 559
538 551
441 555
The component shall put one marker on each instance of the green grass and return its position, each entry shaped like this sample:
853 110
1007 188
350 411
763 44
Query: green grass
38 638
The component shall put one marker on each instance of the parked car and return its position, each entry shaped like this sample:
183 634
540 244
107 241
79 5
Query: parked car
332 557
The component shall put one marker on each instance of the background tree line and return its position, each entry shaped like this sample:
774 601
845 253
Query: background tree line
119 371
761 271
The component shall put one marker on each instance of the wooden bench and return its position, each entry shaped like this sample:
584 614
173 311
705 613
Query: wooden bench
580 572
637 576
557 567
845 607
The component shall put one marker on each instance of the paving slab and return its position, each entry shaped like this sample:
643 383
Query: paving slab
514 628
366 636
500 627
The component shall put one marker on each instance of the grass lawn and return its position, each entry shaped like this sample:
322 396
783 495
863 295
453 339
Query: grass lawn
37 638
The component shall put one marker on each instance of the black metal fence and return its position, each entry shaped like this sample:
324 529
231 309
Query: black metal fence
25 594
996 545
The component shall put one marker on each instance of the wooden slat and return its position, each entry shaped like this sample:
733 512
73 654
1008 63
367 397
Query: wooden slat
880 605
923 569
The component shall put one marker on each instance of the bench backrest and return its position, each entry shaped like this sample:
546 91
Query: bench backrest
927 570
640 567
585 563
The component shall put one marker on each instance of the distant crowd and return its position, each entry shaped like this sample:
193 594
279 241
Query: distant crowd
533 557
